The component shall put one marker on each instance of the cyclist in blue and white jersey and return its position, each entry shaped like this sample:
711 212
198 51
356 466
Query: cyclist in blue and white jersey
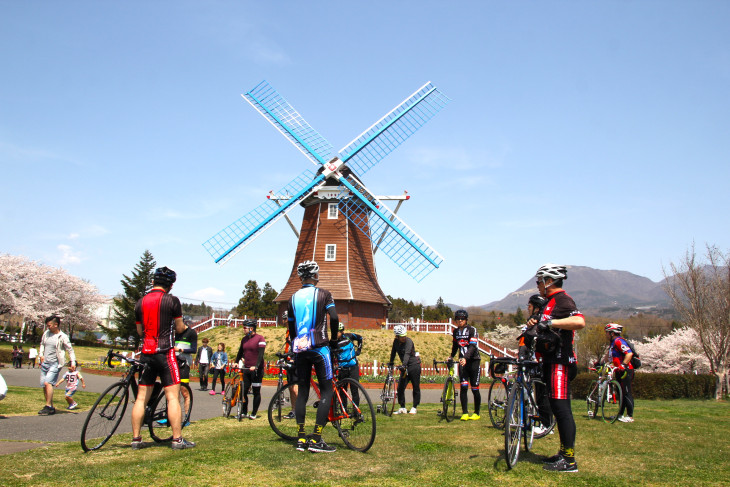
347 354
307 319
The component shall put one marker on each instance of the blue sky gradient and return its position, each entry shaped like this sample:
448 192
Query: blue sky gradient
585 133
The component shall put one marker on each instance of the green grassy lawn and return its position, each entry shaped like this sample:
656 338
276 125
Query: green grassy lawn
678 442
27 401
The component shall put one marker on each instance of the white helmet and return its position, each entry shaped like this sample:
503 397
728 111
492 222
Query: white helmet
307 269
553 271
399 330
614 327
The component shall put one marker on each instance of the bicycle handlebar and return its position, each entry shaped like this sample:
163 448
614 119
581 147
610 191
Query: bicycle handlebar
111 354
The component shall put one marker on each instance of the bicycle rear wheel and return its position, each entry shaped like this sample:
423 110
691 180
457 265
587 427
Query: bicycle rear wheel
158 422
228 400
611 402
513 426
539 387
357 428
497 403
281 405
448 401
104 417
592 400
240 405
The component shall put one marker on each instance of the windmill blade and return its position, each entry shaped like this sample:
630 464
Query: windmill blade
395 239
289 122
232 239
393 129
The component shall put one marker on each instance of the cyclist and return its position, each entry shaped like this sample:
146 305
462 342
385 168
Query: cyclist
186 345
158 316
251 352
559 367
527 352
466 342
621 355
406 350
347 357
307 315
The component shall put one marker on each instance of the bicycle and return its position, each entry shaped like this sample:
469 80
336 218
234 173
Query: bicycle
233 395
108 410
449 393
355 423
498 391
284 424
605 391
387 395
522 413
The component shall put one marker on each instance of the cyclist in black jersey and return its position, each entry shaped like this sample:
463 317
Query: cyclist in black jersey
406 350
466 343
307 315
560 314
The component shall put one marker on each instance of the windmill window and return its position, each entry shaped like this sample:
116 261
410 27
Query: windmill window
330 252
332 213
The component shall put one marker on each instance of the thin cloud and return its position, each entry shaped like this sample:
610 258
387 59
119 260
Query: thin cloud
208 294
268 53
32 155
68 255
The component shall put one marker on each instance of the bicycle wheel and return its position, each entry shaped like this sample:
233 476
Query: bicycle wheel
240 405
611 401
592 400
388 397
497 403
281 405
448 400
357 428
539 387
528 430
157 421
513 427
228 400
104 417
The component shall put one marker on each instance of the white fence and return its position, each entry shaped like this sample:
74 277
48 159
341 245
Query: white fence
214 321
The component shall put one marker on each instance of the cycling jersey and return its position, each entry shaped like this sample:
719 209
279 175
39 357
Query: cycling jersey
187 341
307 314
252 351
347 353
406 352
619 349
466 341
157 312
559 306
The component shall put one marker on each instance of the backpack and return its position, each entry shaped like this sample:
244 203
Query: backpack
635 359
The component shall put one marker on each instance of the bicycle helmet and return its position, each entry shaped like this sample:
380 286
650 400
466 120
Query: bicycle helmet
553 271
614 328
399 330
537 301
461 315
308 269
164 276
250 323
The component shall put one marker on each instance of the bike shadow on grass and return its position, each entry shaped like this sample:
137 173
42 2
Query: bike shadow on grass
525 457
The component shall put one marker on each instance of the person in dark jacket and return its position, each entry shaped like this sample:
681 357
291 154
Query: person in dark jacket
406 350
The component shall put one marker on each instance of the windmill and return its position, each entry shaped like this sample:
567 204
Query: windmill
343 247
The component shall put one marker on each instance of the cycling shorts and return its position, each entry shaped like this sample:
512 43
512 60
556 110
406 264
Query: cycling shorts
557 378
163 365
182 364
319 358
470 373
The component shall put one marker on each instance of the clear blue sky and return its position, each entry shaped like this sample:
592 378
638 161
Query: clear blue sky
584 133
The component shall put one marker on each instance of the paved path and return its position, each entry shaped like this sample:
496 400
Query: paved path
66 425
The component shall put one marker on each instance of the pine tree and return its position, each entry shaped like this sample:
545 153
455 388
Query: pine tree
133 289
250 304
268 307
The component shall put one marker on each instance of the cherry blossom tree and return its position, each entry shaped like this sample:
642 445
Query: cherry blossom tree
679 352
34 291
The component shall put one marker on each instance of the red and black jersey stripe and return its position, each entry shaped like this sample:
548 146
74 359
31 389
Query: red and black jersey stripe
157 312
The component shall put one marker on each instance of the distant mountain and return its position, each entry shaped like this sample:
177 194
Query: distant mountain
597 292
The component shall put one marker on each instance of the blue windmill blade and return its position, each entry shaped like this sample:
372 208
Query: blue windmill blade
289 122
395 239
232 239
393 129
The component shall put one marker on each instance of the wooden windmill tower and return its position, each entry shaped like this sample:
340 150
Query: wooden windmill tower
344 223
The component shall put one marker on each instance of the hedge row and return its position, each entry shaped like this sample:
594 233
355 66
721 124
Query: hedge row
656 386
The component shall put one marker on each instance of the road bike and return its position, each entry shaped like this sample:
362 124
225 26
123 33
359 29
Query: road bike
108 410
604 392
355 422
498 391
449 392
387 395
522 416
233 395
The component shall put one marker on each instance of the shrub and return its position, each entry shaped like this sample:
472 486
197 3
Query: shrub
657 386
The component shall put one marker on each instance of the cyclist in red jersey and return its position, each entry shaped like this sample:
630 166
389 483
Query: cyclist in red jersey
158 317
559 367
621 353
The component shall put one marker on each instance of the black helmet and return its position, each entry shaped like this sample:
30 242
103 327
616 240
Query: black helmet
164 276
250 323
461 315
307 269
537 301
